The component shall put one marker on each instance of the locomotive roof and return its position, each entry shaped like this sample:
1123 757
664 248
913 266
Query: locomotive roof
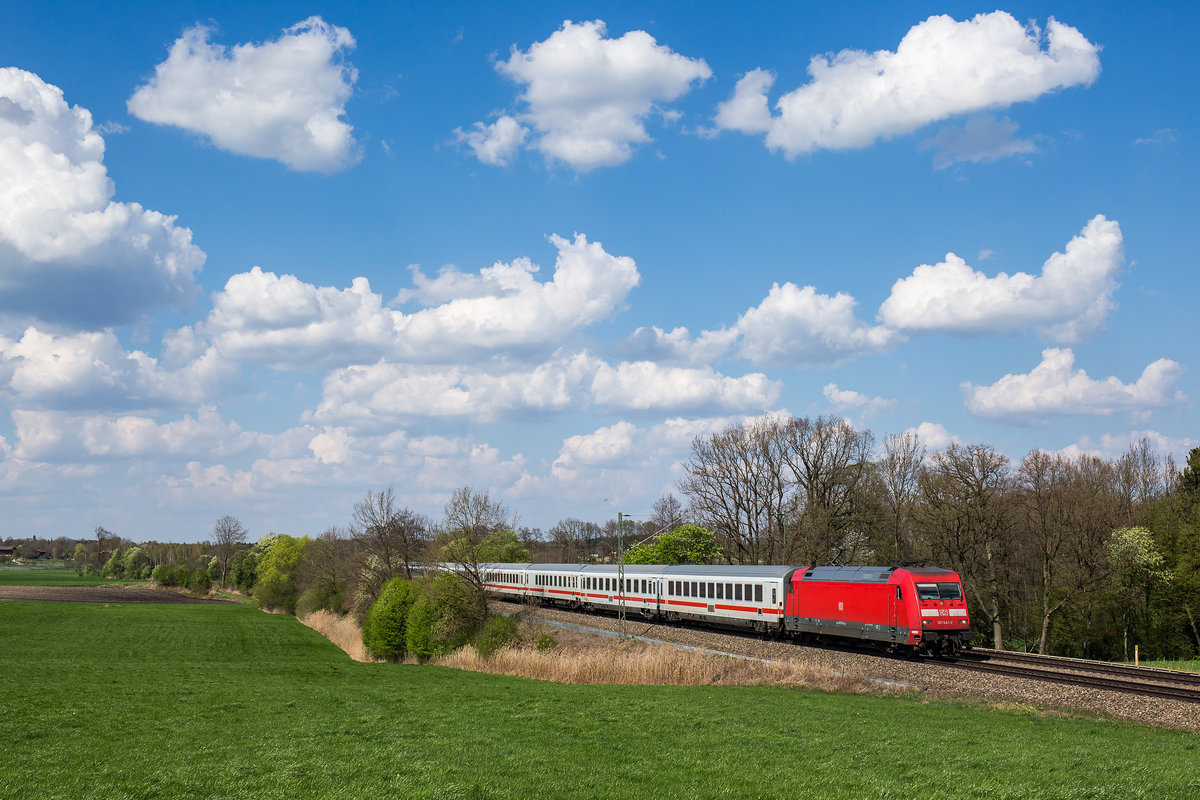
849 574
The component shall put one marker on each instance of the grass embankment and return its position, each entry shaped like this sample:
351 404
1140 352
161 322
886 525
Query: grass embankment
223 701
54 573
1191 665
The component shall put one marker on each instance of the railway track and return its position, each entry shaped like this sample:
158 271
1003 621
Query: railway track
1144 681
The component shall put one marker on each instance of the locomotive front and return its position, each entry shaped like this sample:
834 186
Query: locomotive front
940 605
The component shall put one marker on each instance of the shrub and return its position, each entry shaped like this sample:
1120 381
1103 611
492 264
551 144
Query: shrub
385 626
498 632
163 575
443 617
198 580
320 598
546 643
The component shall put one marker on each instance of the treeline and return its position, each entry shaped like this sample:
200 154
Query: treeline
1074 555
373 571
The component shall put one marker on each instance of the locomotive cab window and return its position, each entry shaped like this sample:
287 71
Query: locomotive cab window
949 591
927 591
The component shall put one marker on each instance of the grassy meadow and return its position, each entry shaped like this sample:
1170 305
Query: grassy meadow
223 701
51 573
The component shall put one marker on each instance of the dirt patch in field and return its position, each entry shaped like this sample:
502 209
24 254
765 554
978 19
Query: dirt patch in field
98 594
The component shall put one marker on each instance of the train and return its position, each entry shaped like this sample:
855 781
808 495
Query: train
912 609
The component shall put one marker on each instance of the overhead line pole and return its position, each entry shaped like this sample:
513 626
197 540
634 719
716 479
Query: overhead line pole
621 575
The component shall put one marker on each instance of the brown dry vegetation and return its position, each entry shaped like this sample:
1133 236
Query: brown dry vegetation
588 659
580 658
342 631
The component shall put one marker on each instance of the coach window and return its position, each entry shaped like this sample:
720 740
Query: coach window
758 592
737 591
710 591
720 591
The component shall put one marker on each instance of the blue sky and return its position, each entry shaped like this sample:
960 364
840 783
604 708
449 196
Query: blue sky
259 260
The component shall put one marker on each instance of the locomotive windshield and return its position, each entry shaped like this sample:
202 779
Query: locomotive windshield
939 591
950 591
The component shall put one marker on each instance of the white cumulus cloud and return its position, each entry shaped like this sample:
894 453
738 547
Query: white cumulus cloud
586 97
941 68
1067 303
496 144
281 99
800 327
93 371
284 322
850 400
68 254
375 394
1056 387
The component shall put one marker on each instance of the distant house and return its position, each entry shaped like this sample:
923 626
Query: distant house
7 552
38 554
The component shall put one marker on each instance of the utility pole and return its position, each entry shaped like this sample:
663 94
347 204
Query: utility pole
621 575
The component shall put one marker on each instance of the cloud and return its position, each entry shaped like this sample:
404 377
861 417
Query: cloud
61 436
791 327
848 399
93 371
282 99
932 435
1115 445
799 327
586 97
496 144
68 254
983 137
1055 387
283 322
1067 303
941 69
646 451
645 386
676 346
1162 136
372 395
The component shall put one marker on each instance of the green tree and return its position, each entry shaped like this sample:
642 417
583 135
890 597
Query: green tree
1137 571
687 544
80 557
136 560
476 531
115 566
277 572
384 629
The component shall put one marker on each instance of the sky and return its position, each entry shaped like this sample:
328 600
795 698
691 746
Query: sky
262 258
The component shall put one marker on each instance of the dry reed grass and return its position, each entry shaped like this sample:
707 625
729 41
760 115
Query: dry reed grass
588 659
342 631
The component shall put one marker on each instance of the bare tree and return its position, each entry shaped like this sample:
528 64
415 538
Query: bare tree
390 538
968 522
733 482
667 513
900 472
476 529
325 573
569 537
828 460
228 534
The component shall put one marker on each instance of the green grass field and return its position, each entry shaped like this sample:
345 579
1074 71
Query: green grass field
1191 665
180 701
51 573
